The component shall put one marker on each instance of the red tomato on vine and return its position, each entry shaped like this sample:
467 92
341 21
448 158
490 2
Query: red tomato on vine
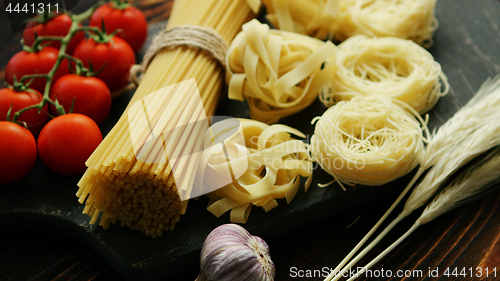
91 96
19 100
56 26
41 62
116 56
67 141
130 20
17 152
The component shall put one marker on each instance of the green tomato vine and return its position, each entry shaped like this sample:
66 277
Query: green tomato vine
23 84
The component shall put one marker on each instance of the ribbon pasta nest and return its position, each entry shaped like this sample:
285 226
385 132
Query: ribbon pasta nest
407 19
340 19
278 73
387 66
368 140
276 163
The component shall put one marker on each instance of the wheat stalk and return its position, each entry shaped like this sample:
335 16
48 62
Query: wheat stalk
482 139
477 180
456 142
463 122
340 266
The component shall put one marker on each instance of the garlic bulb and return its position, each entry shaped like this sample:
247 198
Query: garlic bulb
231 253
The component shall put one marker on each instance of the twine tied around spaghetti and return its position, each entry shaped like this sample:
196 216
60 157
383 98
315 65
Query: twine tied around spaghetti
199 37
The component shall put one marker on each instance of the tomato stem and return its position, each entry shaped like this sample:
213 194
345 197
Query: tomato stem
120 5
38 41
43 17
99 34
20 86
32 76
89 28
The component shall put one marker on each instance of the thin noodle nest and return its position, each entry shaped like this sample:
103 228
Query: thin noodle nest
388 66
368 140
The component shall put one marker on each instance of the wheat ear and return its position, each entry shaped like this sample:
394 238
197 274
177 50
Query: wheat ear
482 139
477 180
452 133
464 121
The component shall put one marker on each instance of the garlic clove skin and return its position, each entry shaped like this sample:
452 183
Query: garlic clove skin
230 253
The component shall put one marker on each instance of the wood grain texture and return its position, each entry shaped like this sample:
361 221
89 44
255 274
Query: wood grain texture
460 239
466 237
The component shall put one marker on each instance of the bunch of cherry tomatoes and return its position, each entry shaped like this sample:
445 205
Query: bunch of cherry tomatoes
55 110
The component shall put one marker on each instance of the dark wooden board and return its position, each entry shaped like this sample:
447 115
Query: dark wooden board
466 45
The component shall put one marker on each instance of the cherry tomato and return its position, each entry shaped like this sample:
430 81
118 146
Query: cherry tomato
57 26
116 56
129 19
67 141
17 152
41 62
91 95
19 100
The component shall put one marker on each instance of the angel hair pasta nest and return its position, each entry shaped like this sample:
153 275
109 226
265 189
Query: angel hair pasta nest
387 66
368 140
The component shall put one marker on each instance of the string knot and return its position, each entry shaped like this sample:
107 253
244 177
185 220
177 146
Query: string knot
203 38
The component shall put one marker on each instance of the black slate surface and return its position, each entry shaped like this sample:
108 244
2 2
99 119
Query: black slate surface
466 45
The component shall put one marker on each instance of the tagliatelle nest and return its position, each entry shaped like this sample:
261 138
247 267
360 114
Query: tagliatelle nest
390 67
279 73
275 163
368 140
340 19
316 18
407 19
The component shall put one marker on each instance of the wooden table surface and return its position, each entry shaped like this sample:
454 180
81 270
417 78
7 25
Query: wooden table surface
468 237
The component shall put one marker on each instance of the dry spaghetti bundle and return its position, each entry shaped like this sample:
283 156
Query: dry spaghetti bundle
275 162
341 19
368 140
142 192
387 66
279 73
